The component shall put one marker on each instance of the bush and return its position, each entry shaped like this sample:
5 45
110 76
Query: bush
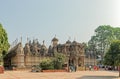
56 62
46 64
59 60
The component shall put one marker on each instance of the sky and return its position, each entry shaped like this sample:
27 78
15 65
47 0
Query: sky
65 19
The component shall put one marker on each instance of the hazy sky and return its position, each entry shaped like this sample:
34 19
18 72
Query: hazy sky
43 19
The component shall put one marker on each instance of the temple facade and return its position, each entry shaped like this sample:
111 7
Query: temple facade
33 52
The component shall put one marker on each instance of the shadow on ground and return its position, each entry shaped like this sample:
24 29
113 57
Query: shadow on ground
98 77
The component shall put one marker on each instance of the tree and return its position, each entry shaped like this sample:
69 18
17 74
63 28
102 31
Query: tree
4 45
59 60
112 57
118 62
102 39
117 33
104 36
47 63
55 62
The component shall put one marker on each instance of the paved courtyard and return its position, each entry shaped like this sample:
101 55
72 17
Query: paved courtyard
60 75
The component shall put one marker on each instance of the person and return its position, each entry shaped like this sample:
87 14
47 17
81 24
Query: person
85 67
90 67
70 69
75 68
94 67
115 68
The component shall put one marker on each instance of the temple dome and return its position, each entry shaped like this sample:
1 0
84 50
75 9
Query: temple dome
68 42
54 39
74 42
43 46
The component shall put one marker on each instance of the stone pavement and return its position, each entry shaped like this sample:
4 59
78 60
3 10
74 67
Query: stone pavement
60 75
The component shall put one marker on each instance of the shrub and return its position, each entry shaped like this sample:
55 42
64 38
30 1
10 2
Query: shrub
46 64
55 62
59 60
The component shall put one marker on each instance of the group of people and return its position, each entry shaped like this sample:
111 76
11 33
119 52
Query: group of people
94 67
72 68
111 68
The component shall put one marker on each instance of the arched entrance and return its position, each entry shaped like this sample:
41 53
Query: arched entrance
79 62
72 61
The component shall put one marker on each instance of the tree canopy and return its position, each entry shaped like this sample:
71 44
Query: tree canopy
112 57
4 45
103 37
59 60
55 62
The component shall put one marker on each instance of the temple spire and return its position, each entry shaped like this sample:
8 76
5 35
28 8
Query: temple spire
21 39
55 35
27 39
43 42
74 39
69 38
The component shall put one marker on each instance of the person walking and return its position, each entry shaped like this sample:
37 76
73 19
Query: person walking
75 68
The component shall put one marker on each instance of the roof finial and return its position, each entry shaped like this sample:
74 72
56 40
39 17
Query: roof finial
21 39
36 40
55 35
27 39
43 42
69 38
74 38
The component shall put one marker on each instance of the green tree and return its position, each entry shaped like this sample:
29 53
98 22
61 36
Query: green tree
102 39
117 33
112 57
55 62
118 62
4 45
47 63
59 60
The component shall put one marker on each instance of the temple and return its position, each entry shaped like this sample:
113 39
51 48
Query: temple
33 52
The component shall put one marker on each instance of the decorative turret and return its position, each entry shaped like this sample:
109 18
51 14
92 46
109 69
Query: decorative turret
20 56
19 49
68 42
43 46
74 42
27 49
54 41
43 50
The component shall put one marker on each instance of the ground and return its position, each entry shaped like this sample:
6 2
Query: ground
60 75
